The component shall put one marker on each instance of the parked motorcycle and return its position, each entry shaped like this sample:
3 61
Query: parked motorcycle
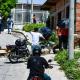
18 51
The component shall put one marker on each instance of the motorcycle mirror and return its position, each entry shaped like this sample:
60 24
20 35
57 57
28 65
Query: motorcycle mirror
50 60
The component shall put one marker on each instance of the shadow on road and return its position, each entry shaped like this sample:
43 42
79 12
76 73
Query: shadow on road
14 63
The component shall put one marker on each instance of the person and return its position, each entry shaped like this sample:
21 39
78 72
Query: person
37 65
62 32
10 24
34 18
59 34
0 22
36 37
46 31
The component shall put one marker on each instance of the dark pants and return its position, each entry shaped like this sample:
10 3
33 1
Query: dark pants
63 41
0 27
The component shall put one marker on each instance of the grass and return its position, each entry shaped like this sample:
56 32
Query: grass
70 67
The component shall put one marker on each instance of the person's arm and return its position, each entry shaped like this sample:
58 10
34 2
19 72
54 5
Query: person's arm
57 29
45 63
41 36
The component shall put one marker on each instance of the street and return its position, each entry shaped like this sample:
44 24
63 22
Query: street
19 71
10 71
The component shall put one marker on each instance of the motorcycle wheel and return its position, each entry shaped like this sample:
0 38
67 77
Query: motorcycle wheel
28 53
13 57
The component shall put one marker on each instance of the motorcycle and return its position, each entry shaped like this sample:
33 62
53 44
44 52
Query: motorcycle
18 51
38 77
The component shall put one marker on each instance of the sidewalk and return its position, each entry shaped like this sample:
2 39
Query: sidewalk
55 73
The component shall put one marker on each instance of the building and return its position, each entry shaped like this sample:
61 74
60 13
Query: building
22 13
59 9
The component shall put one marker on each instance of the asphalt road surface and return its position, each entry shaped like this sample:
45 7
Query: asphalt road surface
19 71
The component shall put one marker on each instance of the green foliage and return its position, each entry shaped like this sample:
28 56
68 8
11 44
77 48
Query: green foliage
28 27
54 38
77 55
6 6
61 57
70 67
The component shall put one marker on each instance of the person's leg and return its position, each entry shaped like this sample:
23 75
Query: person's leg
0 28
55 47
32 47
46 77
60 42
8 29
65 42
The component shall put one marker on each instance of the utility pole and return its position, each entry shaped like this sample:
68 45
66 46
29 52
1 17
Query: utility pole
71 30
22 13
31 12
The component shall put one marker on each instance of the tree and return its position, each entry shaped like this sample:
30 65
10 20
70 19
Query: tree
5 9
6 6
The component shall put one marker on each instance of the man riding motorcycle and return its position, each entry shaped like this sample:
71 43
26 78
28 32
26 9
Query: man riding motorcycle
37 65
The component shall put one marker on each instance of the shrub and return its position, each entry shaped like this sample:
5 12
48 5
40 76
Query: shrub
70 67
77 55
61 57
28 27
54 38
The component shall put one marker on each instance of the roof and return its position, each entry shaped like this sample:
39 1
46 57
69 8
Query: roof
27 4
48 4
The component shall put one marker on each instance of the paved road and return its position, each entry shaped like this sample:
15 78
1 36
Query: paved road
19 71
6 39
10 71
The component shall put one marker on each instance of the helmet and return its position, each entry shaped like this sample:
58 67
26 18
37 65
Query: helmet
18 42
36 50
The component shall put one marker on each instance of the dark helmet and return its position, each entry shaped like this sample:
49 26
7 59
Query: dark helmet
18 42
36 51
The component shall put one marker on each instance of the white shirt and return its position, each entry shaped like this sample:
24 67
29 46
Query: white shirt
35 37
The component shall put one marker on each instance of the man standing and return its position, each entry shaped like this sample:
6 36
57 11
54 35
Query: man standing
9 24
34 18
62 32
35 37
